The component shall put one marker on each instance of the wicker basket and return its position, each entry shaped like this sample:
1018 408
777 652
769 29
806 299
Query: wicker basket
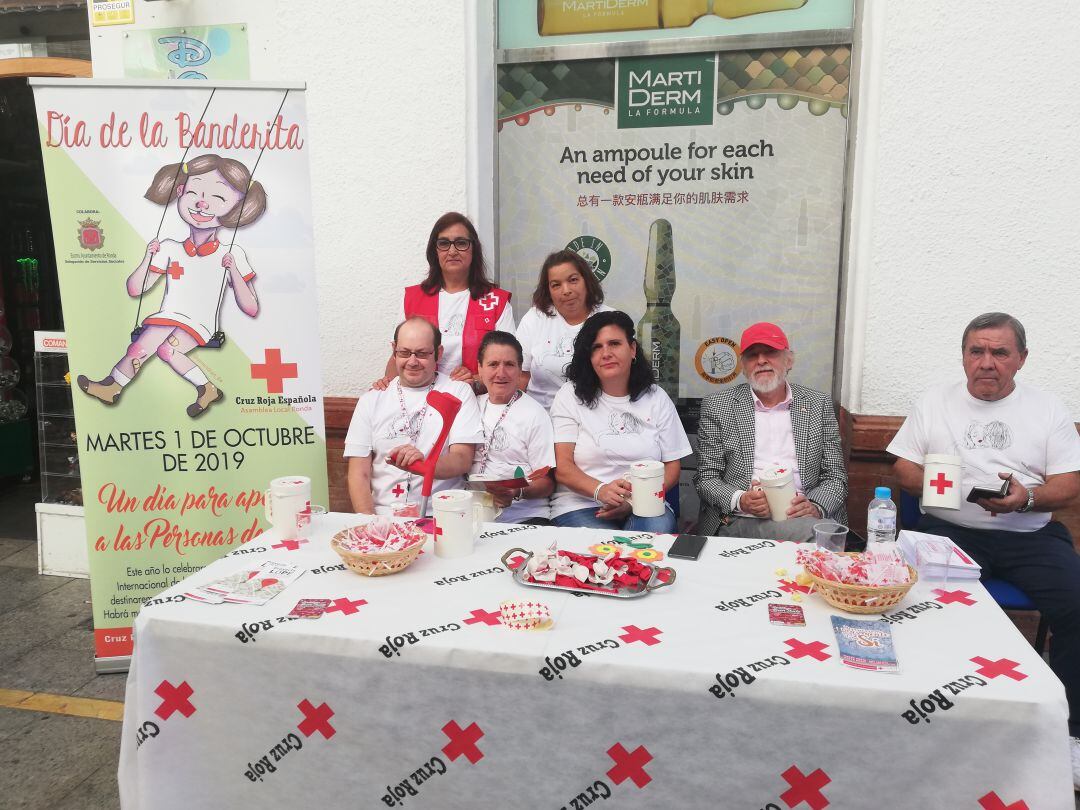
374 565
863 598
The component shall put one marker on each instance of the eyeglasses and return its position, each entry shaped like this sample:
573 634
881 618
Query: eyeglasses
419 354
461 243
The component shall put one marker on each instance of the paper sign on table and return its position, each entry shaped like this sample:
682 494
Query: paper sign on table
249 586
865 644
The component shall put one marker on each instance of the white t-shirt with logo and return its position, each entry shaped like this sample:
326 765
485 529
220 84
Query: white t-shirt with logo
612 435
547 343
1028 433
453 307
378 425
524 438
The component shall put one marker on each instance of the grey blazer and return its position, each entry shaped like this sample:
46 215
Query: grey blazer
726 452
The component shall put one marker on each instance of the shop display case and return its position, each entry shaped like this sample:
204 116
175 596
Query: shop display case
61 527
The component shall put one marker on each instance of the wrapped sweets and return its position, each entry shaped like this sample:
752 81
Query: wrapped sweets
873 568
382 536
585 571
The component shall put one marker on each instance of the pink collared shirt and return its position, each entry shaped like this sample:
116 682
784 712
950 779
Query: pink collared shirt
774 442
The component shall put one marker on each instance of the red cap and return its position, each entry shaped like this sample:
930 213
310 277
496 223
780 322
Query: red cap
768 333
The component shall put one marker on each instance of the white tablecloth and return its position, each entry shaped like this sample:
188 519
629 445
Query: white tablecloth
408 694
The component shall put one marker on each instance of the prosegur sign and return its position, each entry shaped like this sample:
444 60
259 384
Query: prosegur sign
666 91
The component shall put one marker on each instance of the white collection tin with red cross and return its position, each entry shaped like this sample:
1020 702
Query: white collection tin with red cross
942 476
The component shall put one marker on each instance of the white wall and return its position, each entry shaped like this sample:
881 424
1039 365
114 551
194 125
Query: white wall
970 196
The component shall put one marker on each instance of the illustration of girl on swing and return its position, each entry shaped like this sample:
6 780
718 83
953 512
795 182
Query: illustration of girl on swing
211 192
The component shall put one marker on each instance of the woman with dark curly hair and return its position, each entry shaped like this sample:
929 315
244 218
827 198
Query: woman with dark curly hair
456 298
608 415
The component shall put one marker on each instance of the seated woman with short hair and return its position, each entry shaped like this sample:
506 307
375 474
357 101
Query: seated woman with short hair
607 416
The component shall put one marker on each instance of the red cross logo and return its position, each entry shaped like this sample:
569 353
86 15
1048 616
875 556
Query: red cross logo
489 302
659 494
437 529
398 490
273 371
481 615
291 545
948 597
941 483
345 605
463 741
648 636
805 788
1003 666
781 471
799 649
788 586
174 699
316 718
175 270
991 801
515 561
629 765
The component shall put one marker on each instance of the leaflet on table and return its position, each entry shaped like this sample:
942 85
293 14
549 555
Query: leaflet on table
865 644
940 555
249 586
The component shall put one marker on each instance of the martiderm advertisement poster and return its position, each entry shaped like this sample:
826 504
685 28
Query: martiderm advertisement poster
705 189
182 224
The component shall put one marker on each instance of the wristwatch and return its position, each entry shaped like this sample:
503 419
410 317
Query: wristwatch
1030 504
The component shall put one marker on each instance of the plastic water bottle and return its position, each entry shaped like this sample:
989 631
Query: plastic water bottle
881 517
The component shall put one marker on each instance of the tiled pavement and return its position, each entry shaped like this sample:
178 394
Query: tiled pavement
49 760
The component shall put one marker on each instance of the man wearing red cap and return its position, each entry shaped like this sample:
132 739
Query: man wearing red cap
768 426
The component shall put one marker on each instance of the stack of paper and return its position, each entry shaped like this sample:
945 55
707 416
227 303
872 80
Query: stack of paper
937 557
250 586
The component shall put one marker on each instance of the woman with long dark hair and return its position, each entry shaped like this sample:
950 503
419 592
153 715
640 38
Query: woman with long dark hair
608 415
456 297
566 294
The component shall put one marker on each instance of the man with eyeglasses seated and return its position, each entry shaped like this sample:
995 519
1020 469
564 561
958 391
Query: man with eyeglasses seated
393 428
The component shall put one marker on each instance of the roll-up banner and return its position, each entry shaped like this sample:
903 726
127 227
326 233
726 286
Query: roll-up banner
181 218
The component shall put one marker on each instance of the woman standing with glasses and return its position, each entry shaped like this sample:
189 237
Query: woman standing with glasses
457 297
606 417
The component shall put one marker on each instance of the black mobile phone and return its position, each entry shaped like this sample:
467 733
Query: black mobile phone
687 546
988 492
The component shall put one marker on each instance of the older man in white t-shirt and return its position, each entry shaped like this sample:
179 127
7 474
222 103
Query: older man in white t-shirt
393 428
1006 431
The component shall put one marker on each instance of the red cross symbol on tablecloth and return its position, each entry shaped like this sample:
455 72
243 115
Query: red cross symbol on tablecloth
805 788
291 545
481 615
629 765
948 597
398 490
799 649
991 801
489 302
316 718
175 270
463 741
1003 666
174 699
634 633
273 371
346 605
941 483
788 586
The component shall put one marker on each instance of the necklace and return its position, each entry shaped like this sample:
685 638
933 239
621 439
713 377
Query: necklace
488 438
413 435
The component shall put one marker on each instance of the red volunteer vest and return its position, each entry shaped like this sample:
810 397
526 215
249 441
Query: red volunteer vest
480 317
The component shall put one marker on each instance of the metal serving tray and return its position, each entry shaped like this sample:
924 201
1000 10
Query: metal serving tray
642 589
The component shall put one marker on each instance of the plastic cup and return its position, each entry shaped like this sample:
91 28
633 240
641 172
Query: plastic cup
830 536
305 520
